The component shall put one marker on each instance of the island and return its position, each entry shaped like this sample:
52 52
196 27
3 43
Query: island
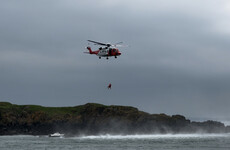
95 119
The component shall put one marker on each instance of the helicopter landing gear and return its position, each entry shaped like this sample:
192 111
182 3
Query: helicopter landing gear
115 56
107 57
99 57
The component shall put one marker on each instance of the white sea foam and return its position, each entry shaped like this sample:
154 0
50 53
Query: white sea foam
155 136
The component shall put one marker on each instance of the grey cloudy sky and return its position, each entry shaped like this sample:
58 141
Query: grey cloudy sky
177 61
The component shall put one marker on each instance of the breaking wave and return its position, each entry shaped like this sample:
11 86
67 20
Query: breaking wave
155 136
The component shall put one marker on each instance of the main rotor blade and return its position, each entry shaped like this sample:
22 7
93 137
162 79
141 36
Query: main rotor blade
118 43
98 43
121 45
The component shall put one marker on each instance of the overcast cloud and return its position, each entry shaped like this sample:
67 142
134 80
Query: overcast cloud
177 62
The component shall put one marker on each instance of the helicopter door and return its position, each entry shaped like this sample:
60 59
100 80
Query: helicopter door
110 51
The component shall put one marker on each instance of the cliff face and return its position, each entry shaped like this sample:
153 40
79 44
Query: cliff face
95 119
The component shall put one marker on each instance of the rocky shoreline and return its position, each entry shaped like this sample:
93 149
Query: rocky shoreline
94 119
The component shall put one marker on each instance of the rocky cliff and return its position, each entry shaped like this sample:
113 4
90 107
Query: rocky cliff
92 119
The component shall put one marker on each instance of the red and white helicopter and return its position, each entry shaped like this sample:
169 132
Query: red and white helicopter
108 51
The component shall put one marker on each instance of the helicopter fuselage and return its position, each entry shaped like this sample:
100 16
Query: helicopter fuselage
105 52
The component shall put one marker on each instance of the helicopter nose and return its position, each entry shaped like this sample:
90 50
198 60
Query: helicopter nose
119 53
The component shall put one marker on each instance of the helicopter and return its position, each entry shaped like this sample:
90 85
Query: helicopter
109 50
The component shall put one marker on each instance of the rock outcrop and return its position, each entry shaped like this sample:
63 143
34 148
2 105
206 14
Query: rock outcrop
93 119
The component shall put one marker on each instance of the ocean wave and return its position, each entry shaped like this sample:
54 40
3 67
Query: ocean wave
155 136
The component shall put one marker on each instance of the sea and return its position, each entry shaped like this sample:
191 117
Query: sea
118 142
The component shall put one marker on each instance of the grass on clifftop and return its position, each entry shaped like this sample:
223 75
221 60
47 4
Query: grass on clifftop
6 107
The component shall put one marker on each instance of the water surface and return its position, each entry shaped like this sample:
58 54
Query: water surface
119 142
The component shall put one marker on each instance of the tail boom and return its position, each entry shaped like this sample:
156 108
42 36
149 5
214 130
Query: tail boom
92 52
